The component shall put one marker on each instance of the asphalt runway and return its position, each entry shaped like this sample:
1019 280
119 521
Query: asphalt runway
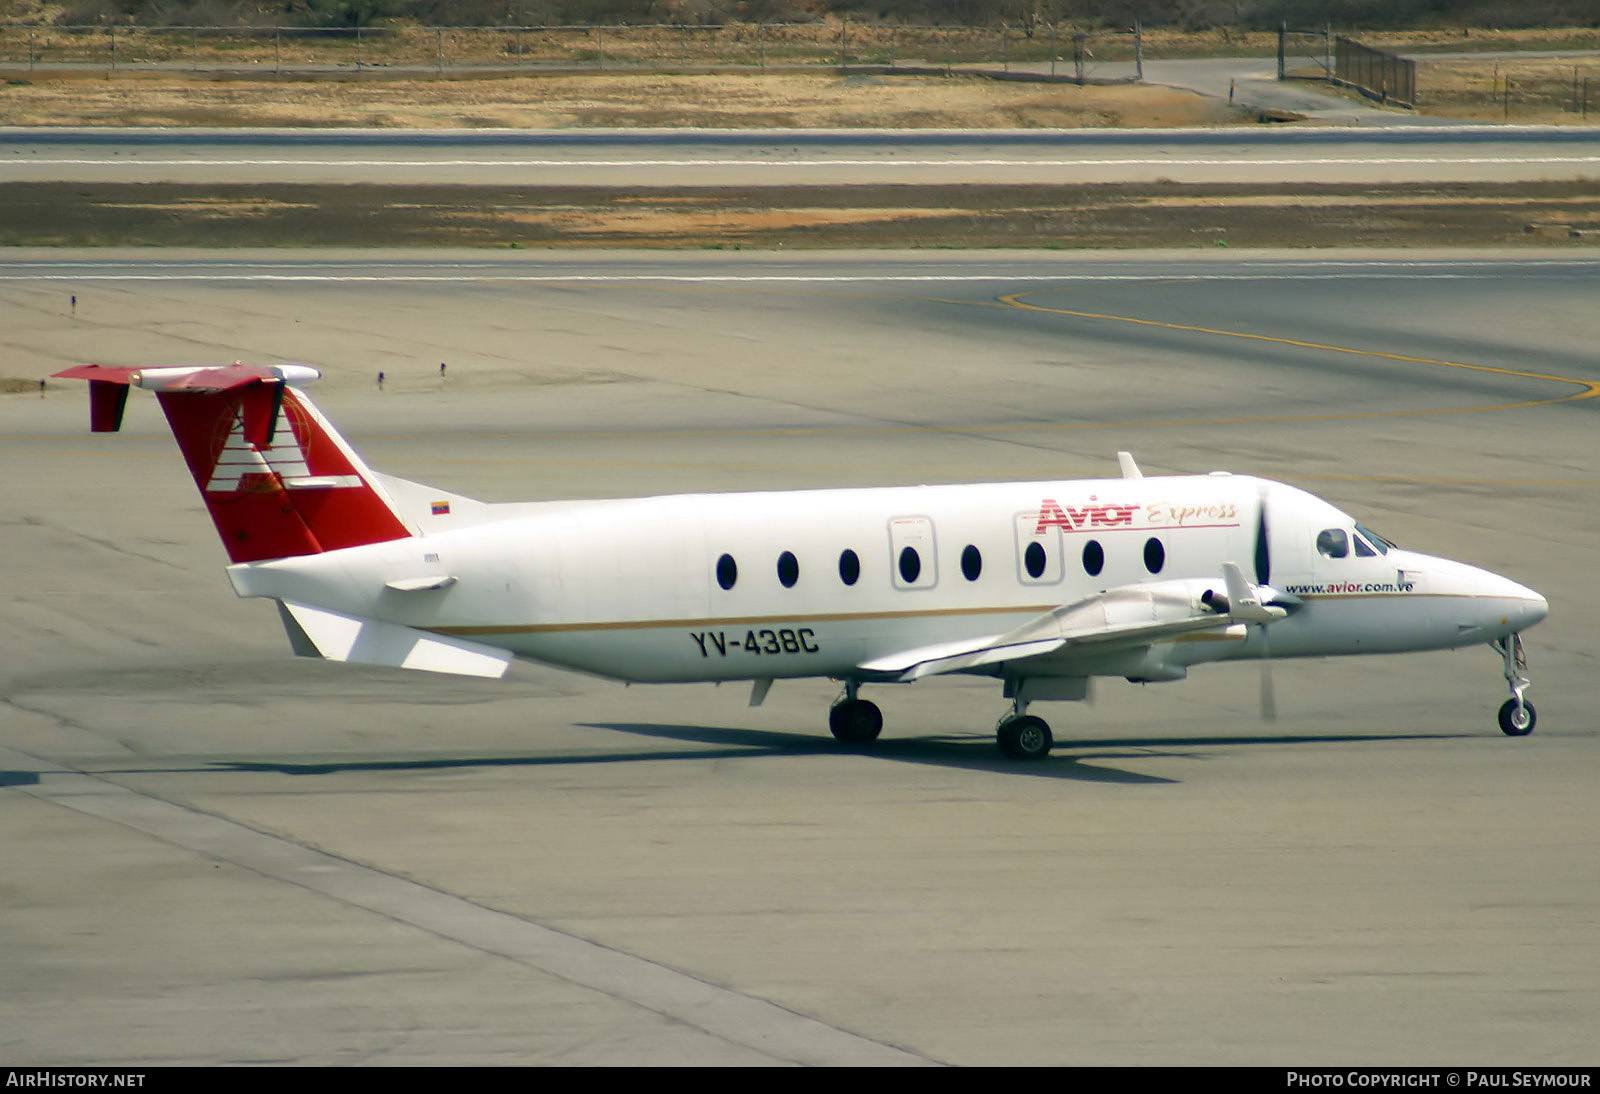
218 853
703 157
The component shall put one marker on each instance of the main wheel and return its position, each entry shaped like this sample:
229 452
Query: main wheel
1024 738
855 721
1517 721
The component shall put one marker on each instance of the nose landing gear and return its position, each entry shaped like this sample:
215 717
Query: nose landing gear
1517 716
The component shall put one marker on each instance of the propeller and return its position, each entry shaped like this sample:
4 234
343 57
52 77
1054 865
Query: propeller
1263 553
1244 604
1269 696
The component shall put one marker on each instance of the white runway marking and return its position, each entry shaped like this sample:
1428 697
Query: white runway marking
741 1019
1151 161
753 279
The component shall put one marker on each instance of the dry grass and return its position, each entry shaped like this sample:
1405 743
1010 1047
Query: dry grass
553 102
1552 91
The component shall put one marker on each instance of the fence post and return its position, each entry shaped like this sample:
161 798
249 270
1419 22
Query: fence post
761 38
1052 49
600 43
1005 42
194 49
1283 36
32 52
438 60
946 50
358 49
1077 55
1138 52
112 33
844 29
277 49
892 30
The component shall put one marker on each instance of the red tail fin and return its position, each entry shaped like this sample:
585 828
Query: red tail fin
276 477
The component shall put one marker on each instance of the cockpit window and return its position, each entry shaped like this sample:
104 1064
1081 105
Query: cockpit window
1379 544
1363 549
1333 543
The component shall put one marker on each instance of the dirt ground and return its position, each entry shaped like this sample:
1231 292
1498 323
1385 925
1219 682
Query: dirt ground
1153 215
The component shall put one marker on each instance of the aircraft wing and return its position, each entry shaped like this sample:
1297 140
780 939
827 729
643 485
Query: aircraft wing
1122 618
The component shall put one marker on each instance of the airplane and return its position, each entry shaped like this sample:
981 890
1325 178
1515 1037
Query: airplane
1039 585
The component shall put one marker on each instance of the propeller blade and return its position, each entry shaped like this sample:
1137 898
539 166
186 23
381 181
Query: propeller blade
1263 550
1269 695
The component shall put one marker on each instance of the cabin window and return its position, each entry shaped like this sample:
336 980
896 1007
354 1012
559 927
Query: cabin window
1333 543
1034 559
971 563
910 565
727 571
1040 554
1155 555
1094 558
788 569
913 553
849 567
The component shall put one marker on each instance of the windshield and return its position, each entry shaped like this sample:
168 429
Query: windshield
1379 544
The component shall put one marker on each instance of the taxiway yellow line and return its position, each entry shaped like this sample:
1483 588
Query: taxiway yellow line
1588 388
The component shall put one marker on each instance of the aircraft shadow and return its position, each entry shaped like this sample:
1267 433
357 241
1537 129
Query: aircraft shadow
1074 759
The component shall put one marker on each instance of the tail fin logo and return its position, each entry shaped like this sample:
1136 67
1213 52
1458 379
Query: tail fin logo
280 463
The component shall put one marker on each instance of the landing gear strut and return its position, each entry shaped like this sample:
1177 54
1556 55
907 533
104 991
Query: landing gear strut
1021 736
853 720
1517 716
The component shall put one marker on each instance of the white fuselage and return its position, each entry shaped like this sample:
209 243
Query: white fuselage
639 589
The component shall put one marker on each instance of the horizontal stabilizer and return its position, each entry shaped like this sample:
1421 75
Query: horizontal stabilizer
317 632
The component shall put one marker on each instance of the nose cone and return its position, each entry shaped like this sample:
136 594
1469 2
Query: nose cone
1504 607
1481 605
1530 608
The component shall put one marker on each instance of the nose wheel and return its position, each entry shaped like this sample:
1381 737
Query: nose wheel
1517 716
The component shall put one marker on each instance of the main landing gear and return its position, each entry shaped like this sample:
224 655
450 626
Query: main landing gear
853 720
1020 735
1024 737
1517 716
